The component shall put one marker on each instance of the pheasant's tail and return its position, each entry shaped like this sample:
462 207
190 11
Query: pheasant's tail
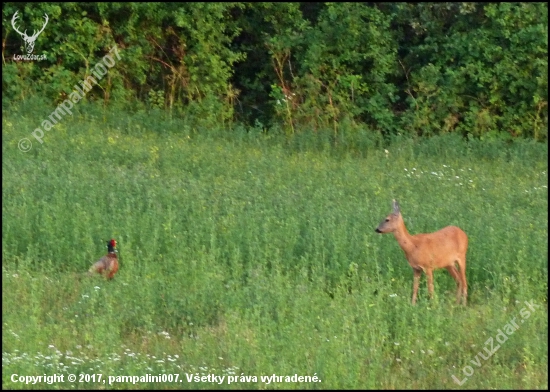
98 266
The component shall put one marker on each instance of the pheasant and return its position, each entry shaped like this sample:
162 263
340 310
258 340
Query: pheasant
108 264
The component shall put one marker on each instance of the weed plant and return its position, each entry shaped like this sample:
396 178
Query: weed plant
246 253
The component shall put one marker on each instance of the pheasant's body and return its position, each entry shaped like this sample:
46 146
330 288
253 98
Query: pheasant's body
108 264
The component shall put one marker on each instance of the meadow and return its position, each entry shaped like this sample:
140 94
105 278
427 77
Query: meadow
249 254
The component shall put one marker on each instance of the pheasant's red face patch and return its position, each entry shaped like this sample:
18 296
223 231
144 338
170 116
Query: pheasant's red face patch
113 243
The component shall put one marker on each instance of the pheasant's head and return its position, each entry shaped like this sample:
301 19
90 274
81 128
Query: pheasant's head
111 245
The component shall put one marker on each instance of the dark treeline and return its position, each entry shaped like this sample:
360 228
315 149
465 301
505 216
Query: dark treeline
479 69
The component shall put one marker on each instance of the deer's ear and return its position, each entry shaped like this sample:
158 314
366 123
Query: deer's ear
396 209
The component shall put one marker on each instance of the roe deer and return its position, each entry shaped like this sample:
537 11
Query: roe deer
425 252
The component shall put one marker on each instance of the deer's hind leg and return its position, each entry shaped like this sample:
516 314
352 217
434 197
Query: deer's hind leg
459 288
462 265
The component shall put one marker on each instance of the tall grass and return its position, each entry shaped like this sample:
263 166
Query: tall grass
247 254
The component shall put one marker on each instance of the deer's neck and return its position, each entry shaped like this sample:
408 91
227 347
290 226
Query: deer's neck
404 239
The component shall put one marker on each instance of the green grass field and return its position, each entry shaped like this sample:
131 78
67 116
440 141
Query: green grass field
246 256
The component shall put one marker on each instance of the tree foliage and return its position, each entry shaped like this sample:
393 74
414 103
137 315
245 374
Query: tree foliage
479 69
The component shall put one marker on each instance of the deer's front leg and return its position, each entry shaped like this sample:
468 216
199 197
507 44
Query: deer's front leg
430 276
417 273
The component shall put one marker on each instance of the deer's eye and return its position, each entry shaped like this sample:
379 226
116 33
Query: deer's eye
387 220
